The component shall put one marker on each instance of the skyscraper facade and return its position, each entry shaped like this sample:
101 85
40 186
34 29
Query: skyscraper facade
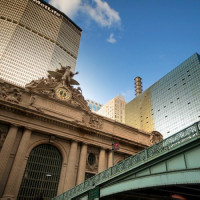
35 37
114 109
171 104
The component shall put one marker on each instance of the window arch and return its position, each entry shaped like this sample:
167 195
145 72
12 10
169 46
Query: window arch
42 173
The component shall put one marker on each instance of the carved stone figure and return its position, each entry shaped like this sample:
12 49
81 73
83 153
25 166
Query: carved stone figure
79 90
92 121
12 94
59 85
3 93
67 77
32 103
155 137
64 75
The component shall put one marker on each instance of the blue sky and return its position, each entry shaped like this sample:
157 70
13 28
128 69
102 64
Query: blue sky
122 39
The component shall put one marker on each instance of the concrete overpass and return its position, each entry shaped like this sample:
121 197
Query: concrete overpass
170 168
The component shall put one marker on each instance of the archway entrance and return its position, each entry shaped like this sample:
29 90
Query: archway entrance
42 173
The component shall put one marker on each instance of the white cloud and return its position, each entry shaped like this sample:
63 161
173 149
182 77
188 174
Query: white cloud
102 13
111 39
98 10
69 7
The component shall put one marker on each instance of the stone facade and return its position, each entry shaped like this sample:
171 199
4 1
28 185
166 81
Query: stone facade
37 115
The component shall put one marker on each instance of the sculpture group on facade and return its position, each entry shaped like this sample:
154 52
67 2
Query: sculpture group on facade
12 94
61 78
59 85
63 75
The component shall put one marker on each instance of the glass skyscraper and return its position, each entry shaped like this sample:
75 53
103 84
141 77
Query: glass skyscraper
35 37
171 104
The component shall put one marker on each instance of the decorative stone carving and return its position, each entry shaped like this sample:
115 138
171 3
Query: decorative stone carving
32 103
94 166
92 121
64 75
155 137
59 85
52 139
95 122
10 93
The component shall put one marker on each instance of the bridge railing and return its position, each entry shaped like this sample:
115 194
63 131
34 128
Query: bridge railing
175 141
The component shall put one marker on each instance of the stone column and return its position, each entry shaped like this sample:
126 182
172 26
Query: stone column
62 179
102 162
70 174
6 149
82 164
17 170
110 158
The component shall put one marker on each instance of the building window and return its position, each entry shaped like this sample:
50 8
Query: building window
94 108
90 105
91 159
42 173
88 175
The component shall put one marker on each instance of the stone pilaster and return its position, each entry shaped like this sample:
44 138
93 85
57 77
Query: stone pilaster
62 179
70 174
6 149
102 161
82 164
110 158
17 170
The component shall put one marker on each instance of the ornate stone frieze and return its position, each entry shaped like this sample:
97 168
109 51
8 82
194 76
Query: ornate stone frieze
10 93
92 121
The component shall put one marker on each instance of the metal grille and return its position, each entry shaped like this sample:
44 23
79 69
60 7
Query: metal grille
42 173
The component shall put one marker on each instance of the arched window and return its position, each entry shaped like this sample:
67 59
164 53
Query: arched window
42 173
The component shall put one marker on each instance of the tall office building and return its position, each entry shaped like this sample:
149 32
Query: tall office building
171 104
35 37
114 109
94 106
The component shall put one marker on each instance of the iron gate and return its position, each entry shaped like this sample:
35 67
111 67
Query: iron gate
42 173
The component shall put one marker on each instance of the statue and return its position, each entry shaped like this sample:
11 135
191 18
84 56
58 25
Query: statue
59 85
64 75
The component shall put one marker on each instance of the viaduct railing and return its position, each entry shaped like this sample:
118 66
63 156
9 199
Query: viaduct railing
175 141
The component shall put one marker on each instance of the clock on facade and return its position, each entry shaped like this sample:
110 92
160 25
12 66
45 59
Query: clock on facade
63 94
